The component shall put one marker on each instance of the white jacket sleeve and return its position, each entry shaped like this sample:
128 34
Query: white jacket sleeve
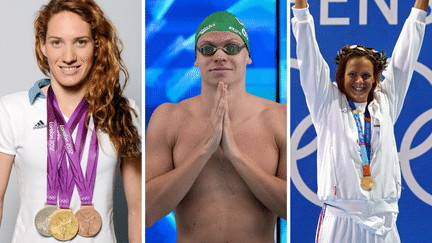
314 71
401 67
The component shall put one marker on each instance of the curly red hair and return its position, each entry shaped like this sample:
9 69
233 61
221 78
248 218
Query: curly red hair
104 91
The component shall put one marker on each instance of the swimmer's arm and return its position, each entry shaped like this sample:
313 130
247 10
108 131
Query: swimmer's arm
422 4
6 162
158 165
271 190
131 174
165 186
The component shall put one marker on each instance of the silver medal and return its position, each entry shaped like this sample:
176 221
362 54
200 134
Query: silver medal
42 219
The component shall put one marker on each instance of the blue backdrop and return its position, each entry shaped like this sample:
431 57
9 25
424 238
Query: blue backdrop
170 76
375 23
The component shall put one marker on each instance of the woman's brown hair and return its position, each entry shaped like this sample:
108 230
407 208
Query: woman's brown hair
378 60
104 91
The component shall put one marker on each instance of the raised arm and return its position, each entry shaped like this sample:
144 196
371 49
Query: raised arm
165 186
314 71
399 72
6 162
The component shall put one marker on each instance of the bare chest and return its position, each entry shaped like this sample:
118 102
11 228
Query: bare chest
253 138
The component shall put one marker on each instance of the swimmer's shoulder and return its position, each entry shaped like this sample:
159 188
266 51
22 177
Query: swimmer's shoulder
172 115
175 109
270 110
273 116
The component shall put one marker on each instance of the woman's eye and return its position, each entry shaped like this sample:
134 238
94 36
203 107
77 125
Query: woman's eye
56 43
81 42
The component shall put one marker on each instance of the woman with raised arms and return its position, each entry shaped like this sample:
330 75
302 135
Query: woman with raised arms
359 178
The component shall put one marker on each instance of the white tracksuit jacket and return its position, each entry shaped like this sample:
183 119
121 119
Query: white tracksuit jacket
338 160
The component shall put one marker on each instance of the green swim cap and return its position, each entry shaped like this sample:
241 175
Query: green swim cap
223 21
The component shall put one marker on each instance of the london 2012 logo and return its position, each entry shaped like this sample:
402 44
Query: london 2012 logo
407 152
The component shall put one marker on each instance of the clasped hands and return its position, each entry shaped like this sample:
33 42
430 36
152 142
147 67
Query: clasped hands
220 131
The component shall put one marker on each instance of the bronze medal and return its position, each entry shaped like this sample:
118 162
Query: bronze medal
63 224
90 221
42 219
367 183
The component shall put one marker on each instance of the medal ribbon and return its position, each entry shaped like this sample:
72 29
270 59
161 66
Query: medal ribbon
85 185
52 165
58 176
364 138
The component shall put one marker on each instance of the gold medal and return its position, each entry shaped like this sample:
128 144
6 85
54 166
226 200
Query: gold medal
90 221
63 224
367 183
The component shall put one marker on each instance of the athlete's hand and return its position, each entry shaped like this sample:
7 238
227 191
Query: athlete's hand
216 120
300 4
228 144
422 4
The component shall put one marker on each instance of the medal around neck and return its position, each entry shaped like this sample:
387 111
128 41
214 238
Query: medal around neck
63 224
90 221
42 219
367 183
365 146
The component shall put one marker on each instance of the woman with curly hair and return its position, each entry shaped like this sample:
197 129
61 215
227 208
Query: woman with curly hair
359 178
85 131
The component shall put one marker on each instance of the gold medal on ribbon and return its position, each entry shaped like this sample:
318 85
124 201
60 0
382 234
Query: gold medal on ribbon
90 221
367 182
63 224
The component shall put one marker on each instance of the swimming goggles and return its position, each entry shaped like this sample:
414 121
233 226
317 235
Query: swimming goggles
230 49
